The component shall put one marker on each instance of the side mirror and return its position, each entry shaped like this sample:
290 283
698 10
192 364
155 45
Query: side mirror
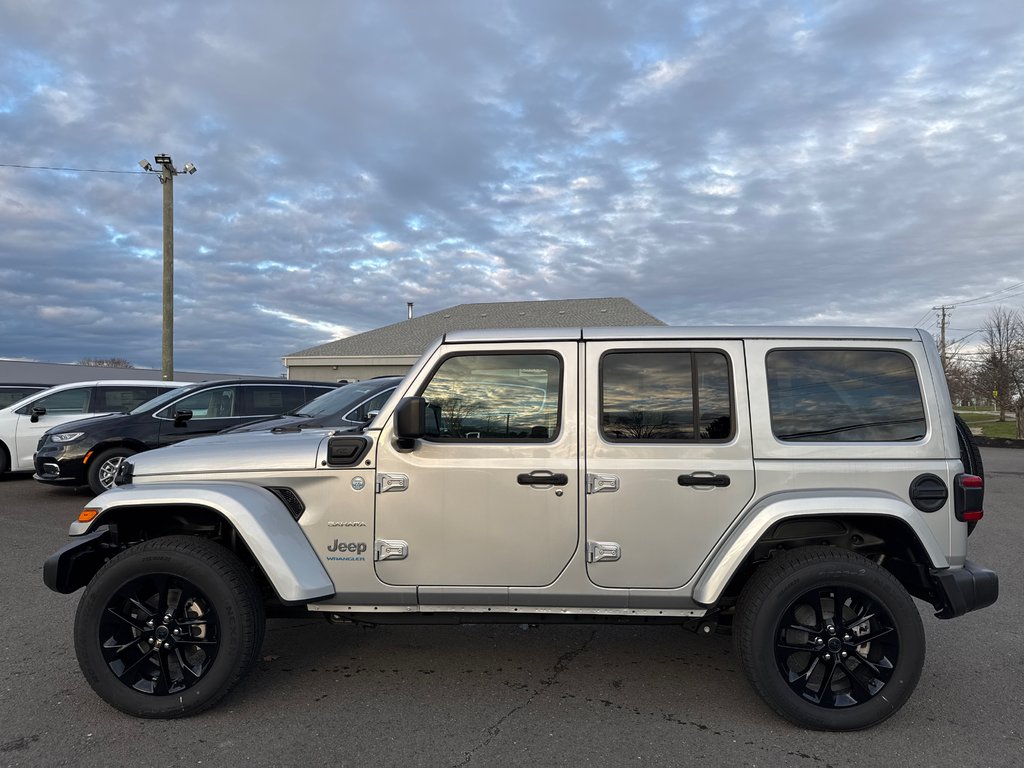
411 418
37 411
181 417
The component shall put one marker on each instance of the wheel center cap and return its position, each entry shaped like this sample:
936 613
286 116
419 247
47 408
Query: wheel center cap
162 633
835 644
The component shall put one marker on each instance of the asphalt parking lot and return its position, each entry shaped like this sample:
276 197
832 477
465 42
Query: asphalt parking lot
500 695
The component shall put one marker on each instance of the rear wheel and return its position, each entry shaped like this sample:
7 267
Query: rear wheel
829 639
168 627
104 468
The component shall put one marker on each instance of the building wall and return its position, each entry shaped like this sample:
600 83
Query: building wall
344 372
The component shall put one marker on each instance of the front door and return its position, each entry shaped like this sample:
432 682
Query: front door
668 457
212 410
489 497
65 405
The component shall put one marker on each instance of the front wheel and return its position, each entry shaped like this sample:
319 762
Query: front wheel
104 468
829 639
167 628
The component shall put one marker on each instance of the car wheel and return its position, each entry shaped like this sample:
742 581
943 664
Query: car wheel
970 456
104 468
829 639
168 627
4 463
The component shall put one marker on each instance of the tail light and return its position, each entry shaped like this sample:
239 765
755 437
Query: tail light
968 498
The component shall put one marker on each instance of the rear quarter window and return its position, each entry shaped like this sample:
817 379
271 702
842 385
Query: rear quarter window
844 395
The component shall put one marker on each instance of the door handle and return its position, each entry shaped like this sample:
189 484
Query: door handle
543 478
718 481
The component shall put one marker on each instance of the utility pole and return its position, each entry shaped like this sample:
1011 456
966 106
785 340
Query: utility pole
167 173
942 331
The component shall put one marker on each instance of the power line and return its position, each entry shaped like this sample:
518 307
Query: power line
988 296
58 168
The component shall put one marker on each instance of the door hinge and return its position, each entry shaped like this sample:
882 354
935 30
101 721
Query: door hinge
390 549
603 550
387 483
602 483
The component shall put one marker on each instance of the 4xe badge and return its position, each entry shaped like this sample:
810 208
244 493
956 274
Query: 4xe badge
347 550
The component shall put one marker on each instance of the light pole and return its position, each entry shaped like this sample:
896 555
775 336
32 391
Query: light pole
167 173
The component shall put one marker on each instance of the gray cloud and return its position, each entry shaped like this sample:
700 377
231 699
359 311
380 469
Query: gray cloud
715 163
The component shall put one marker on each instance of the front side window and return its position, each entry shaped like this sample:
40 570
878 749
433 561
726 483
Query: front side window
362 413
844 395
74 400
495 397
216 403
666 396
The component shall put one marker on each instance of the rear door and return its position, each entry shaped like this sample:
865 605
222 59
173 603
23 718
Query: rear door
489 497
668 457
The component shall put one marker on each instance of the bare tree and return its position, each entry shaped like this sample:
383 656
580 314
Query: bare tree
106 362
454 412
1002 371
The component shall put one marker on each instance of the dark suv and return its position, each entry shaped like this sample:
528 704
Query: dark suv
351 405
89 451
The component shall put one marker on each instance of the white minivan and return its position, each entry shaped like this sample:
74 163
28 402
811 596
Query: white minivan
22 423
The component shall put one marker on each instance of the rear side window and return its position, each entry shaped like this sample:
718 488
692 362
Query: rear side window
124 399
271 400
666 396
844 395
11 395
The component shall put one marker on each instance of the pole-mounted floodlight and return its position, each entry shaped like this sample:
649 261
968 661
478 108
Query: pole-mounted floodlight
167 173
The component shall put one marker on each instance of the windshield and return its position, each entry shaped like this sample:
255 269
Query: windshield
340 401
159 400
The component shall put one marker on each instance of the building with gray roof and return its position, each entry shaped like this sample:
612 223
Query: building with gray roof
394 348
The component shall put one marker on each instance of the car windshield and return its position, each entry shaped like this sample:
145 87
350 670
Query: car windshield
340 401
159 400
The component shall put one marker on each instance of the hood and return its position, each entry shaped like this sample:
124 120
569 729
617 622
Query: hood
87 424
239 452
289 421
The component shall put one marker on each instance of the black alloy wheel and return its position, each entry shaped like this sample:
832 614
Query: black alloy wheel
169 626
159 634
830 639
836 647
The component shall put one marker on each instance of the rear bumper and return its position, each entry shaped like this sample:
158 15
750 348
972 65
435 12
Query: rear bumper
965 589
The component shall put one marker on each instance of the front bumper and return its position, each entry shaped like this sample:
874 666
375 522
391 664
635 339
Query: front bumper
71 566
60 467
965 589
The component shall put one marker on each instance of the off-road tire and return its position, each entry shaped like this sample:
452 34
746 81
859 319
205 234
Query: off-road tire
210 635
788 643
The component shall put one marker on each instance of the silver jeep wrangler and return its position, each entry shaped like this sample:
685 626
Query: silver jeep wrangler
795 486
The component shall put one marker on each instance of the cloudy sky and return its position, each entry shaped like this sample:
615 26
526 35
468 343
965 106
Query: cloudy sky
716 163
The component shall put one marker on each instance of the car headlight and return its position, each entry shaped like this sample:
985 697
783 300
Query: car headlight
66 437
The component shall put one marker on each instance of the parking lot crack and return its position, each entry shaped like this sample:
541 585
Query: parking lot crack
561 664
